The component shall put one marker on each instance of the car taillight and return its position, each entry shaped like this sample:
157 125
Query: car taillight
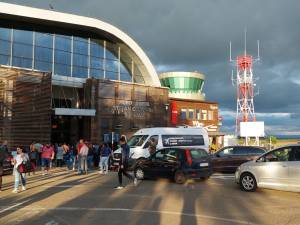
188 157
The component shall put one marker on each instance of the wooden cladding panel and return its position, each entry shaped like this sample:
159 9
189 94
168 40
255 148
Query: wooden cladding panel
25 107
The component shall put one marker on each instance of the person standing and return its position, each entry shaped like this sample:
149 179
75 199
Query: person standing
79 146
21 158
123 163
59 155
105 152
83 153
47 157
3 155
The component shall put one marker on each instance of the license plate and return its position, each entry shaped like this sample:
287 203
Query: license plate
203 164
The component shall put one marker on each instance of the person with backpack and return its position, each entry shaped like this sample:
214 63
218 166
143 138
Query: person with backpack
105 152
3 155
83 154
19 163
123 164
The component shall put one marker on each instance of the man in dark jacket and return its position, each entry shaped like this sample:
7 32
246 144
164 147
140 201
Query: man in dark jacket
3 155
123 163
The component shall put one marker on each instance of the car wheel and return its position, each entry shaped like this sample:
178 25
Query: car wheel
179 177
248 182
139 173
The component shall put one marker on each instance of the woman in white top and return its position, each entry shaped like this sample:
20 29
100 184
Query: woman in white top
18 160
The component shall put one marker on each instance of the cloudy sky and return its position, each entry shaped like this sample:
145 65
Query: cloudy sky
194 35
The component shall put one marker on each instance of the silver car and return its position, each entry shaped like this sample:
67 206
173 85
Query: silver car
277 169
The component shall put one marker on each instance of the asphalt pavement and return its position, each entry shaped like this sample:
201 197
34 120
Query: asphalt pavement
64 198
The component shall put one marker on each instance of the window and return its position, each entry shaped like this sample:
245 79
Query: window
279 155
182 140
5 45
171 155
137 140
191 114
96 58
226 152
198 153
241 150
62 55
22 48
204 114
160 155
43 51
255 151
183 114
210 115
80 57
198 114
153 141
297 154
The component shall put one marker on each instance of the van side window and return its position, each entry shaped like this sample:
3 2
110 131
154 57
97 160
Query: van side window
153 140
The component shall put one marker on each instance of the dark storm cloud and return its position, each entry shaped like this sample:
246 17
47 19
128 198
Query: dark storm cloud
194 35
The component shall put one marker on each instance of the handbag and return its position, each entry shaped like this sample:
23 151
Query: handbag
24 167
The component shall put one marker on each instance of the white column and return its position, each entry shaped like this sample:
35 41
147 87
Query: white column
104 60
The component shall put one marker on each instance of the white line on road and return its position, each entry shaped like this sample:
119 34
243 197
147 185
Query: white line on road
136 211
13 206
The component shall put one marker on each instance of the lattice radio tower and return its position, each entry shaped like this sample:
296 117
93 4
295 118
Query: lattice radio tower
245 83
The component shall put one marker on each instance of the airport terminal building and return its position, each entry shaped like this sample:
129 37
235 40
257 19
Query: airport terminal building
65 77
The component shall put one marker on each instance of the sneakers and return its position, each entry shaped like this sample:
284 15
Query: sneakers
101 171
23 188
119 187
135 181
15 191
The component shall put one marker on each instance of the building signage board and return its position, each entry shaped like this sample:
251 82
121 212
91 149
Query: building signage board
137 108
252 129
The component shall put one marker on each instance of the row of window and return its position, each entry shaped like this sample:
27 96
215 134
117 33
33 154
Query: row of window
64 55
196 114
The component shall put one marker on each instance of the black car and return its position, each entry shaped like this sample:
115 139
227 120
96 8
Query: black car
178 164
229 158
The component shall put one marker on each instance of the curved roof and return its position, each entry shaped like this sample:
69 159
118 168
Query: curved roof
147 69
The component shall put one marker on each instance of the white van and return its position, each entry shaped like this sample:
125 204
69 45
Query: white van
166 137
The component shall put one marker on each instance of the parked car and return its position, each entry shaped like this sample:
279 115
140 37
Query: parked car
7 166
164 137
276 169
229 158
175 163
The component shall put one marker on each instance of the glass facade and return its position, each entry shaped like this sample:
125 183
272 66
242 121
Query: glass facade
67 55
183 84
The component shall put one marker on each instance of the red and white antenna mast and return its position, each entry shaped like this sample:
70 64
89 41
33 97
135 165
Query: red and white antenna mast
244 83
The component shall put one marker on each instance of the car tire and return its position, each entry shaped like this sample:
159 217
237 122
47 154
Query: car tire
179 177
248 182
139 173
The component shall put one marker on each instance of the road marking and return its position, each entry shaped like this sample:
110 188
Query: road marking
135 211
52 222
13 206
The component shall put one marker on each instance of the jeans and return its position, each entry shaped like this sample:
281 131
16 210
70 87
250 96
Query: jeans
17 179
90 159
79 163
103 163
83 162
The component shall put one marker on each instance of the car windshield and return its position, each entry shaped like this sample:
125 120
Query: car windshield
137 140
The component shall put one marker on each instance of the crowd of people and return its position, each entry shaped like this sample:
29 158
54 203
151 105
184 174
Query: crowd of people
83 156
